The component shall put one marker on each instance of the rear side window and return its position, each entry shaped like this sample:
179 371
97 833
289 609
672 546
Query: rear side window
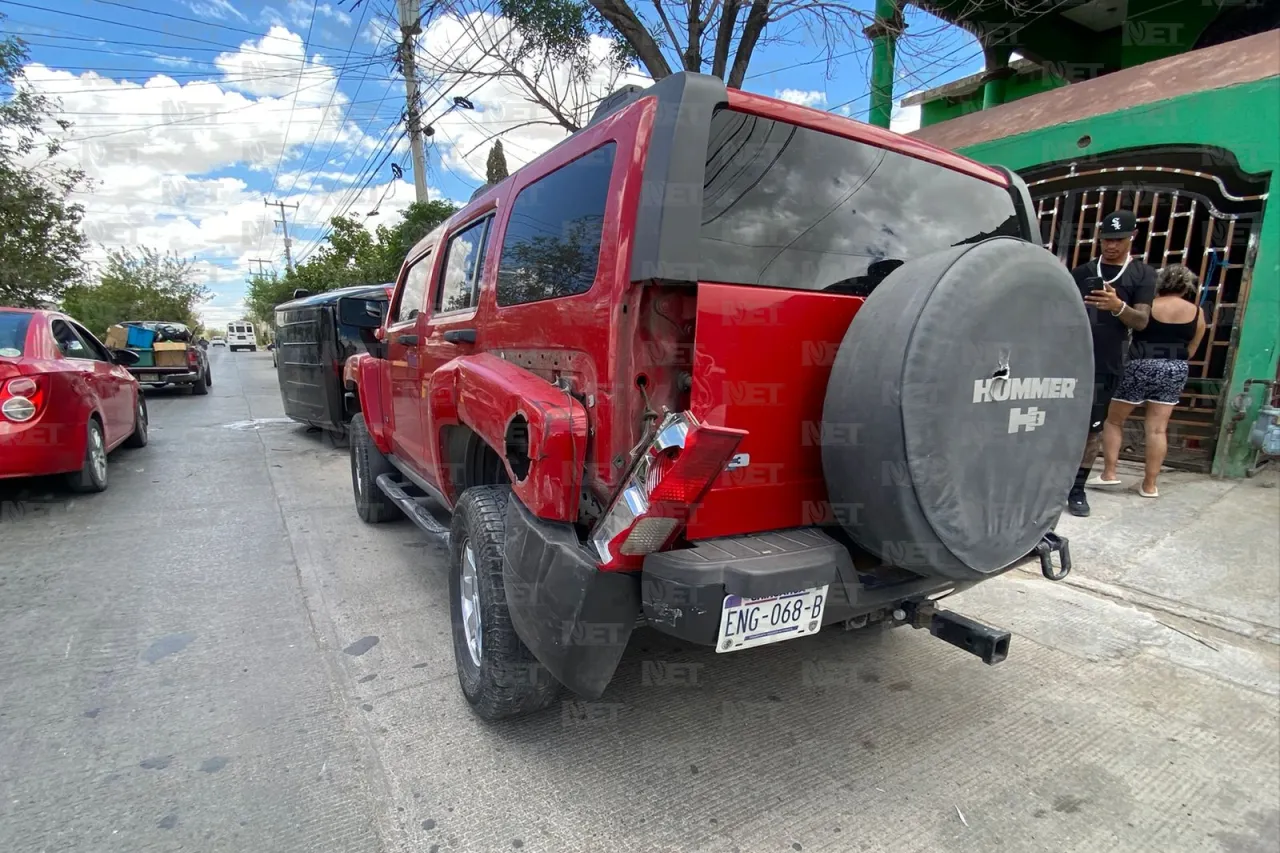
13 334
552 244
463 263
785 206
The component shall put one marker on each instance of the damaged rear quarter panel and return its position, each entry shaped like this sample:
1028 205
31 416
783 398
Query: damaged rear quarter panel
485 392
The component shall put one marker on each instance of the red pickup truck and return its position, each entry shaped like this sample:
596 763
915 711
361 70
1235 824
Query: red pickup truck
730 368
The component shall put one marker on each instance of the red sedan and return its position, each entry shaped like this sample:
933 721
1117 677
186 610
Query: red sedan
66 401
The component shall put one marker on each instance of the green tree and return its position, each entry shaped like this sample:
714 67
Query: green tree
350 256
41 243
496 167
141 285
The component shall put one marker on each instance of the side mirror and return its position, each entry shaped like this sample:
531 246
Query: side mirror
124 357
361 313
301 292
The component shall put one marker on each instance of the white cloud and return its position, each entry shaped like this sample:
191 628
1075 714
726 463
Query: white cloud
168 60
451 45
810 98
299 12
905 119
158 153
276 65
219 9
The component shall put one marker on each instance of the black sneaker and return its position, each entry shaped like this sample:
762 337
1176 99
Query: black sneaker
1077 503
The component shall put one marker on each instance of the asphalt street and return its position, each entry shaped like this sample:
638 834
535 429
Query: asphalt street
217 655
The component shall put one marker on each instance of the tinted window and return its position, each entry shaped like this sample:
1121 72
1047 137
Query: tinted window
552 244
13 334
95 347
463 262
69 343
785 206
415 290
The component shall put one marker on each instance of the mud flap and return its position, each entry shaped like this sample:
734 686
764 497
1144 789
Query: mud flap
575 618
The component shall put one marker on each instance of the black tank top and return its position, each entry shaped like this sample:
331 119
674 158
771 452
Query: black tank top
1163 340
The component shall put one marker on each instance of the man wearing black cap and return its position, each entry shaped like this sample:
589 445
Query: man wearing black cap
1118 291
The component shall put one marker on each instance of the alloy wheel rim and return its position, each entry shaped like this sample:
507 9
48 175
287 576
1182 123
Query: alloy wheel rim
142 419
98 456
469 598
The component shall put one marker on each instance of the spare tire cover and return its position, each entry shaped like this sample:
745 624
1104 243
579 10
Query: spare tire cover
958 408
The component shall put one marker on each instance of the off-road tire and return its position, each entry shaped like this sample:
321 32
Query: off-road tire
141 425
509 681
91 477
201 386
367 465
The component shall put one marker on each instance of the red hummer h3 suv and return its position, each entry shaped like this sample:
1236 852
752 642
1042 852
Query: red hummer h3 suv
728 367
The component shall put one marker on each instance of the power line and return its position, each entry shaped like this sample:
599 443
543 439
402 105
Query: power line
198 21
284 145
310 148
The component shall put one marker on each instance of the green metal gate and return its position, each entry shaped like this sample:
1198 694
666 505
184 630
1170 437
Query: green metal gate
1194 207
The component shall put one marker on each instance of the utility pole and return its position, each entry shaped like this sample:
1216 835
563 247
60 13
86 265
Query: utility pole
260 262
283 223
410 26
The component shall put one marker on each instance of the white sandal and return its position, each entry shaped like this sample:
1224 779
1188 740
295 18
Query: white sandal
1098 481
1147 494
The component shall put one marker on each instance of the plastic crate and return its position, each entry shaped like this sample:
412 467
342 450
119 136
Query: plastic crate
140 338
146 358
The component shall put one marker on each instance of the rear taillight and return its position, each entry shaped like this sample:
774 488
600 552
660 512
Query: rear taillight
21 399
192 358
669 478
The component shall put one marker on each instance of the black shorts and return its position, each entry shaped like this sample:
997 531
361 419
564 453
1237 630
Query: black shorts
1104 388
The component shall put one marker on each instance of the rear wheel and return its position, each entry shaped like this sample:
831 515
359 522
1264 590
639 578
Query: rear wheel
92 476
500 677
139 436
367 465
208 377
201 386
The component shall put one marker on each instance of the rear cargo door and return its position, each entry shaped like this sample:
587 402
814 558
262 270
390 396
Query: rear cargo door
762 357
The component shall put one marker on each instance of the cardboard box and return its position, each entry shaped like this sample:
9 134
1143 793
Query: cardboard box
168 346
117 337
171 357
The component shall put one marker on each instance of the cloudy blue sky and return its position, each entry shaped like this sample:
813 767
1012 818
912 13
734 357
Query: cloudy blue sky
187 114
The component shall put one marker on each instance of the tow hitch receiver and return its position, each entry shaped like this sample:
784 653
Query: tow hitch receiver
990 644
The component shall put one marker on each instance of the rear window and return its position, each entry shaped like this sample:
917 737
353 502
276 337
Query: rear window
785 206
13 333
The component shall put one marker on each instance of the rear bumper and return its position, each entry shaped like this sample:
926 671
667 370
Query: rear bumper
183 378
40 449
575 618
682 592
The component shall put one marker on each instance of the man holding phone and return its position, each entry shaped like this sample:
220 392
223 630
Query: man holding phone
1118 291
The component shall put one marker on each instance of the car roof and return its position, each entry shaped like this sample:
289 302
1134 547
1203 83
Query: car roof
334 295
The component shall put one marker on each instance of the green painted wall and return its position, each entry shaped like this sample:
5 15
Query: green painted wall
1242 119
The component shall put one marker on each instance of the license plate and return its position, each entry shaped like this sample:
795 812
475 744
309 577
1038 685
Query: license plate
747 622
148 377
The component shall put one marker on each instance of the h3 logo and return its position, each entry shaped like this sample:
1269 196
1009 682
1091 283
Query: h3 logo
1029 420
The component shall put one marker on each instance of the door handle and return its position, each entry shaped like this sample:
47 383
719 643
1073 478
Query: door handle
460 336
407 340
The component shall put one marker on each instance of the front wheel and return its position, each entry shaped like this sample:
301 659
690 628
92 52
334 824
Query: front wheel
500 677
367 465
92 476
139 436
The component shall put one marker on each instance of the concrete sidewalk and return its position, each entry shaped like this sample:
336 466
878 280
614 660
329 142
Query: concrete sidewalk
1206 550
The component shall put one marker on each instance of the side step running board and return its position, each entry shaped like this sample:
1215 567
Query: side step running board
413 507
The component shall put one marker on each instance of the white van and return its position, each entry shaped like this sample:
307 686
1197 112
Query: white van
241 336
